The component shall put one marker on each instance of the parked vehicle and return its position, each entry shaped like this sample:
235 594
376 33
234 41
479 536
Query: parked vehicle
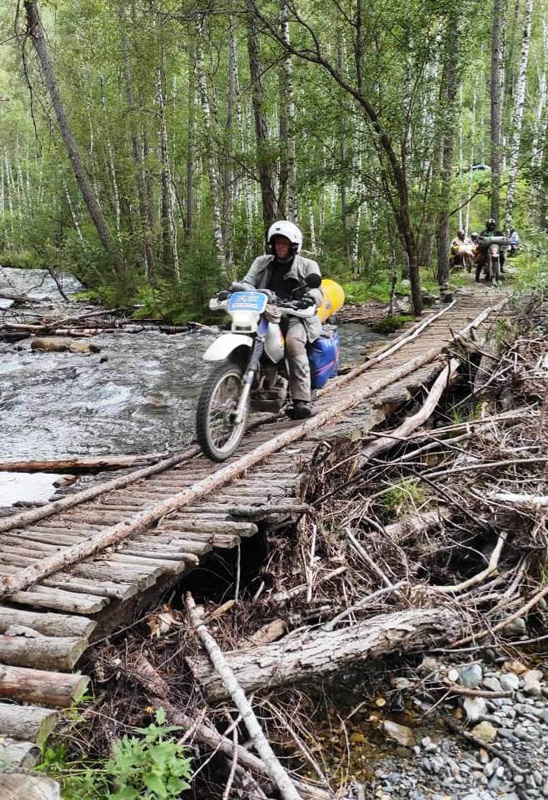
250 372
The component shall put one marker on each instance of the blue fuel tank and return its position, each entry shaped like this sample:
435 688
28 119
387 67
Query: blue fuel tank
323 355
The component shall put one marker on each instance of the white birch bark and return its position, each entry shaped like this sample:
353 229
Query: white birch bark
472 151
461 153
169 227
541 101
289 113
9 188
209 154
497 99
518 110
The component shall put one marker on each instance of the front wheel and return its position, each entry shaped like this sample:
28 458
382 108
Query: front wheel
496 271
218 434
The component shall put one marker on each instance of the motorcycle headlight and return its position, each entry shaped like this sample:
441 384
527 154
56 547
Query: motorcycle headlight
244 321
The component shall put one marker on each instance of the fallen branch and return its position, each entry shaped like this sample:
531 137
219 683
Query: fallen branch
480 576
89 464
532 501
443 381
271 762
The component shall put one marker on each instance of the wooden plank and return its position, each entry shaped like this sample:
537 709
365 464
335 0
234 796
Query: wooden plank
58 689
178 522
14 753
46 624
59 600
47 652
30 723
22 786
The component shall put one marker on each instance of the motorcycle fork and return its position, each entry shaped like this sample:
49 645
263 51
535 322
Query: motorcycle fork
249 377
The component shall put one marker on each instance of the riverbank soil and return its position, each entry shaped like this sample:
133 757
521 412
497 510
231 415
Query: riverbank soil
392 639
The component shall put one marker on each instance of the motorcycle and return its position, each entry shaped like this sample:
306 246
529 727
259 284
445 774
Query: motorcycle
251 372
492 264
463 256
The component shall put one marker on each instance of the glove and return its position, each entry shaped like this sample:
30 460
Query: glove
223 295
305 302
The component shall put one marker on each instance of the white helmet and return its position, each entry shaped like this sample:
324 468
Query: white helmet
290 231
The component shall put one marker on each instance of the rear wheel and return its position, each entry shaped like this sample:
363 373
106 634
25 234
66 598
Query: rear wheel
218 434
495 270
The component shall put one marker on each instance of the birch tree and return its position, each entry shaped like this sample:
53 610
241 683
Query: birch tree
497 99
518 110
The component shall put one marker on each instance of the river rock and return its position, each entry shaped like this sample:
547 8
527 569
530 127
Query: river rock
509 682
399 733
470 675
515 666
531 682
475 707
485 731
60 344
492 684
515 629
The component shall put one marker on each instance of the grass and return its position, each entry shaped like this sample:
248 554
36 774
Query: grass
405 497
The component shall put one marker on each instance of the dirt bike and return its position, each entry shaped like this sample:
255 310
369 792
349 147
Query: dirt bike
492 263
463 256
251 372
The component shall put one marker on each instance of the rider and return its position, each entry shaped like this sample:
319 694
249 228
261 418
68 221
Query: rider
283 271
483 246
460 240
513 238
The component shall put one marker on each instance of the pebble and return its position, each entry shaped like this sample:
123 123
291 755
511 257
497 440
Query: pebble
470 676
442 766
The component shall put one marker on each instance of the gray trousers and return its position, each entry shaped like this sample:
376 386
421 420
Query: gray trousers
297 359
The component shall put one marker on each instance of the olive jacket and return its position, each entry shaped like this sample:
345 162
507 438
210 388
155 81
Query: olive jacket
258 276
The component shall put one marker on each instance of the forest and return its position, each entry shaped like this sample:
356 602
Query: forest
146 145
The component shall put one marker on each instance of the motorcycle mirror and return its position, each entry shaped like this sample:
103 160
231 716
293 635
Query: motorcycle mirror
313 281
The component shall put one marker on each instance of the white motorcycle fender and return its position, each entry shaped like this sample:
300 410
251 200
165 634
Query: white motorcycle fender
224 345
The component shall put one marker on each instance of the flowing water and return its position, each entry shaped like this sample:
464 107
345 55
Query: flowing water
137 395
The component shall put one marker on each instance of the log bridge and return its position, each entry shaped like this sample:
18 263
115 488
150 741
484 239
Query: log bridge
72 569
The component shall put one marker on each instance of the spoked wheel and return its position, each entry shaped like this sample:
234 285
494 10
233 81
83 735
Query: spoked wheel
217 433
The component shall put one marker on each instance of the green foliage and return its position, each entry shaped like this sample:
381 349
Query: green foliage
405 497
391 324
150 767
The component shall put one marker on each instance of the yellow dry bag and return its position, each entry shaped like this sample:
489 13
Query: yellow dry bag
333 299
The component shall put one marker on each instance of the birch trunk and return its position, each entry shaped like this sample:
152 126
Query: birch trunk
147 260
208 142
472 148
497 95
518 110
541 102
36 33
288 172
190 154
261 126
448 102
169 228
111 164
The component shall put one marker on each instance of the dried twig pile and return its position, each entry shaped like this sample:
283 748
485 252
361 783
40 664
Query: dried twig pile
439 541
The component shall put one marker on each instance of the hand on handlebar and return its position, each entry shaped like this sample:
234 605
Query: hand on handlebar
305 302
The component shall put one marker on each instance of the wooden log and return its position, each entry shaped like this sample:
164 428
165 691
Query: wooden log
174 523
56 689
30 723
14 753
111 536
96 464
60 600
46 652
315 655
22 786
46 624
27 517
